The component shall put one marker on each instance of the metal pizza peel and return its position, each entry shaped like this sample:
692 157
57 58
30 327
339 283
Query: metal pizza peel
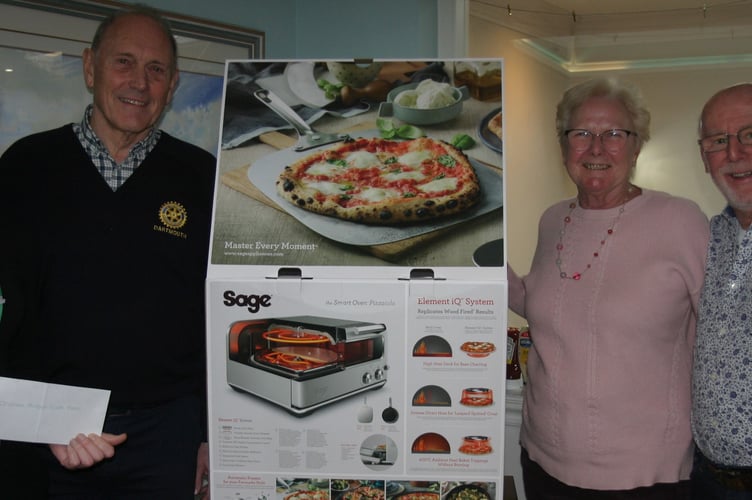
308 138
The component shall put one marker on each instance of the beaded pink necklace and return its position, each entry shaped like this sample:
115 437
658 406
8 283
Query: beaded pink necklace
560 245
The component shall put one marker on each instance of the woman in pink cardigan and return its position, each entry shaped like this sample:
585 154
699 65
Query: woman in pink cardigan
610 299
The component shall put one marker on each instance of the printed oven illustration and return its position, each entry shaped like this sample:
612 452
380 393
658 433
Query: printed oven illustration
302 363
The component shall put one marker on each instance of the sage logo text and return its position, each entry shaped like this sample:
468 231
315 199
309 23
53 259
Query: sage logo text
252 302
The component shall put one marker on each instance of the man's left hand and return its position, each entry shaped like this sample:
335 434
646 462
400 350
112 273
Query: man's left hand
201 487
84 451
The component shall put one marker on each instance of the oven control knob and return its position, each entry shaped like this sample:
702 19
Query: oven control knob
379 374
367 378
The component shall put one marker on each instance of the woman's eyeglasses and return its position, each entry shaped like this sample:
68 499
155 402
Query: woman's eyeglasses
612 140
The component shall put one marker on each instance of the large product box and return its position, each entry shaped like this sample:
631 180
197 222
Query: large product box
356 289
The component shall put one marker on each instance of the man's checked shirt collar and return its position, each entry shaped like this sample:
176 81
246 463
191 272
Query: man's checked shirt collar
115 175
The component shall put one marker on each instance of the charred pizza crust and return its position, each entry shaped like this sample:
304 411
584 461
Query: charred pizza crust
382 182
494 125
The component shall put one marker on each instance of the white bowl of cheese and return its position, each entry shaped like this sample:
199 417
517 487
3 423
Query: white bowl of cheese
424 103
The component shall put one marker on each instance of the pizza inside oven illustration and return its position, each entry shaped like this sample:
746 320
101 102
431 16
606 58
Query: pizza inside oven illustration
302 363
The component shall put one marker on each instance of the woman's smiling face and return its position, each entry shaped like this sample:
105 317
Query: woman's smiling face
598 172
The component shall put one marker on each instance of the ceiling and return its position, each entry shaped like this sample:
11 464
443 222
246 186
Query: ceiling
596 35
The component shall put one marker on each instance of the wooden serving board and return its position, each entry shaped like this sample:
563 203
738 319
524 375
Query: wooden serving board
237 179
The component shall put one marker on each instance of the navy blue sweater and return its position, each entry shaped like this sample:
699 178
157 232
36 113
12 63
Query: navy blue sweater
113 282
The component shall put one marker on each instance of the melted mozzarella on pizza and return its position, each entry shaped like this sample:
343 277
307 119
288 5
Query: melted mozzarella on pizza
324 168
363 159
376 194
399 176
414 158
327 187
445 184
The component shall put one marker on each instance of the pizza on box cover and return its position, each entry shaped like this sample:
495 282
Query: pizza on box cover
365 493
382 182
495 126
308 495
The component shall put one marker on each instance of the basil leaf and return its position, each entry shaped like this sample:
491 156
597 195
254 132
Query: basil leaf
447 161
409 132
463 141
384 124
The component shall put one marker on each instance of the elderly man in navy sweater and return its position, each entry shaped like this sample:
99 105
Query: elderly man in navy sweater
106 225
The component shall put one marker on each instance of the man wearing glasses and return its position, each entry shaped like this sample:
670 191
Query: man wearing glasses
722 378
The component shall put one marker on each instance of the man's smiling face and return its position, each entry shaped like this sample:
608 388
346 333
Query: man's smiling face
132 75
731 167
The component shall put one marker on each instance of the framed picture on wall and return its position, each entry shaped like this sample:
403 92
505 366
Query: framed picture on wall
41 79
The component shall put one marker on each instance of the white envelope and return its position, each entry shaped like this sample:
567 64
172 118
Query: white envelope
37 412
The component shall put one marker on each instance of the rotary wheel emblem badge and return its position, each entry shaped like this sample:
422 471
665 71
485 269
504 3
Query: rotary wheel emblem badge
173 215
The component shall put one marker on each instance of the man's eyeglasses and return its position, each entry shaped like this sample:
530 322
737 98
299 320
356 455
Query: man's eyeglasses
720 142
612 140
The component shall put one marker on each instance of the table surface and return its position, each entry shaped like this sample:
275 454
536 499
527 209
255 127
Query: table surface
243 218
